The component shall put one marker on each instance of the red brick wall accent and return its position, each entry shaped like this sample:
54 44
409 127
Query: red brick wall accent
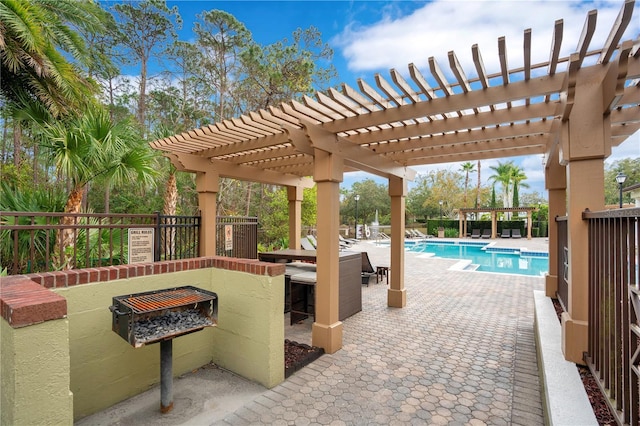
24 302
26 299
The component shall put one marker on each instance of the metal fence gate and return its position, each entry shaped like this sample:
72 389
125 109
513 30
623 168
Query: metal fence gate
237 236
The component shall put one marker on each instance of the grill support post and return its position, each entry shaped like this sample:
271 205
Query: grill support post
166 375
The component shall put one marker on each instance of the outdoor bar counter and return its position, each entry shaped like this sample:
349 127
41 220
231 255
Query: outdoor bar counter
350 268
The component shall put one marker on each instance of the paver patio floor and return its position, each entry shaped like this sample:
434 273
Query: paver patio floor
461 352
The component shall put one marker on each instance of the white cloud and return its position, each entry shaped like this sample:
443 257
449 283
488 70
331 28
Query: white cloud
628 149
441 26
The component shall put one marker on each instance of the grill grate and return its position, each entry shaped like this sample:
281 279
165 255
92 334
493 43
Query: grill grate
164 300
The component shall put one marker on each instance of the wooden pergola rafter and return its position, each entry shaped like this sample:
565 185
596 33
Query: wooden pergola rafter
569 110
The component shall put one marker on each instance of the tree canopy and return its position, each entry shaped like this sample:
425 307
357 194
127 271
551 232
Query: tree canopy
74 118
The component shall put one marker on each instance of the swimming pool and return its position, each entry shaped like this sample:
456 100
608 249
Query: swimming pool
486 258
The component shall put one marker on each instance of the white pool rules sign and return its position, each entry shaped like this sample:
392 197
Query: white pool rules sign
141 245
228 237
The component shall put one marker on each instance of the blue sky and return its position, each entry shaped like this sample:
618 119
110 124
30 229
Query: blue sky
371 37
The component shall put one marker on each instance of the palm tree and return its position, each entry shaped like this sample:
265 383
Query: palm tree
89 147
36 38
502 175
467 168
517 177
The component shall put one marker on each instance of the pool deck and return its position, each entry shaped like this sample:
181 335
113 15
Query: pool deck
462 351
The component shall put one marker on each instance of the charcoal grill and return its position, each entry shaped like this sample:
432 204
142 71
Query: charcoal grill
160 316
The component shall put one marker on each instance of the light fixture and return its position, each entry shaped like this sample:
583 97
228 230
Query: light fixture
620 178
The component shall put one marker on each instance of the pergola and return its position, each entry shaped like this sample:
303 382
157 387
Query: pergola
462 218
571 110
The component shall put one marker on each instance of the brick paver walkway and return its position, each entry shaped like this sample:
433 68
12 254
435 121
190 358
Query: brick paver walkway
461 352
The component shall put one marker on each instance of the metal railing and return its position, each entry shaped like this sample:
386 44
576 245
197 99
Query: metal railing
44 241
614 309
237 236
178 237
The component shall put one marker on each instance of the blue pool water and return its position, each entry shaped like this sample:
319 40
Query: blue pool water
487 259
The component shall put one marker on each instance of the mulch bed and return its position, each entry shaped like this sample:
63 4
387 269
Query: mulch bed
297 355
598 403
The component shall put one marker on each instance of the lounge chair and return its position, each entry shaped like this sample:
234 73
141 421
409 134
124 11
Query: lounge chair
506 233
486 233
420 234
347 241
475 233
313 240
515 233
306 244
368 270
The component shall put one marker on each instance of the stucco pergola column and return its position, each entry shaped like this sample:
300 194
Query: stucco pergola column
494 224
587 143
294 195
207 185
556 183
529 225
397 294
326 331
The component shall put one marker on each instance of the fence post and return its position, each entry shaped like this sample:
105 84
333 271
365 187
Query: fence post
156 240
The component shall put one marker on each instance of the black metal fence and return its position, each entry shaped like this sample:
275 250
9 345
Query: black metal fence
614 309
237 236
44 241
178 237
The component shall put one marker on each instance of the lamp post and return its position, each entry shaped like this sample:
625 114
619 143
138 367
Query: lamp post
440 228
620 178
356 197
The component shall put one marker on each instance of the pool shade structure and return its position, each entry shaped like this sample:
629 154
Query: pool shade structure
569 109
463 215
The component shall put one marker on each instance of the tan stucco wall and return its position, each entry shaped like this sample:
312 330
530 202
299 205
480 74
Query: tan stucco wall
34 366
248 340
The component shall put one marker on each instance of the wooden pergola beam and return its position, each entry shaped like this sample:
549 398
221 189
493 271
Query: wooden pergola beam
194 163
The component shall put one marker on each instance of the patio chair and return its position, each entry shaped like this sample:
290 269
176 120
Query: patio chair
420 234
347 241
515 233
313 240
306 244
486 233
475 233
506 233
367 269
